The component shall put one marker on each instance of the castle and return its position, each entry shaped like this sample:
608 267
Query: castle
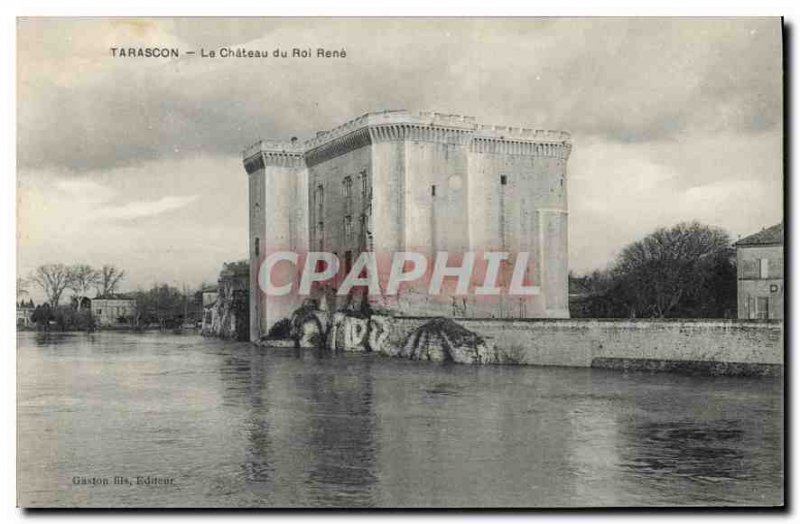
426 182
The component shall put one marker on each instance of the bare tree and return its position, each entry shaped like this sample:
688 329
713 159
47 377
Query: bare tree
22 287
109 278
53 279
82 278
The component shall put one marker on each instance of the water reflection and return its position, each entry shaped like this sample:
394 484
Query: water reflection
243 426
702 442
690 449
341 439
244 379
328 431
52 338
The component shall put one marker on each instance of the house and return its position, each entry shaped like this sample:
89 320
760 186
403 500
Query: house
759 259
209 298
225 307
114 310
25 314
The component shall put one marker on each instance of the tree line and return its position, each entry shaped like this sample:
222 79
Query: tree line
685 271
55 279
161 306
164 306
81 279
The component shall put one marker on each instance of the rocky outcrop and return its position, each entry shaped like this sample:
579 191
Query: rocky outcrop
438 340
309 326
443 340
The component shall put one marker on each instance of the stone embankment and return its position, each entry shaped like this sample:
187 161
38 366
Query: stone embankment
714 347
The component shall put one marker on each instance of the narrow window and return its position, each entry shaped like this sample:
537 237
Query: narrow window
348 261
503 180
363 185
320 195
762 308
258 246
433 190
348 227
347 187
764 267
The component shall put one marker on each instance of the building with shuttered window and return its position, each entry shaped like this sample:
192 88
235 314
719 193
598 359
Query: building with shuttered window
759 260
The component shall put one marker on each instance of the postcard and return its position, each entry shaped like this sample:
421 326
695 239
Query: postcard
400 263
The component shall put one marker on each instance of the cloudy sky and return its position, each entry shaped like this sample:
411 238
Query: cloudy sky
137 162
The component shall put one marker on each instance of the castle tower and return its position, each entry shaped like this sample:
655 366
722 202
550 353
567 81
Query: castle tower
278 221
424 182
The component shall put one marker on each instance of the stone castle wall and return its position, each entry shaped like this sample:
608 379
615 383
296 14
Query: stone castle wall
434 182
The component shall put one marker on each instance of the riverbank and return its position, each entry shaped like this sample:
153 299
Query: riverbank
712 347
118 329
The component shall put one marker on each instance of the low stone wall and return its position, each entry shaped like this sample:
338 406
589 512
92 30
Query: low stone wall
707 346
703 346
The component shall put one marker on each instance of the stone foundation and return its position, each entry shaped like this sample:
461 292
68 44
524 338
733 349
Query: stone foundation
713 347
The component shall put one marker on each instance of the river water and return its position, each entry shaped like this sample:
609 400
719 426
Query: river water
203 422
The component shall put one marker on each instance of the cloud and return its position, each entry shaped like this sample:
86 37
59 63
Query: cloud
176 228
141 209
672 119
85 190
620 192
626 80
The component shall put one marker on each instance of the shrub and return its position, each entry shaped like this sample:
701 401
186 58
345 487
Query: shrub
70 319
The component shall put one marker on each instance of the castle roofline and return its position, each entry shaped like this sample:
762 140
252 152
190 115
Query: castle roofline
462 124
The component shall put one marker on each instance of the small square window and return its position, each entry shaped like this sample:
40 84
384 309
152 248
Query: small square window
503 180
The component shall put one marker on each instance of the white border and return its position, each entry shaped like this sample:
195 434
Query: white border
312 8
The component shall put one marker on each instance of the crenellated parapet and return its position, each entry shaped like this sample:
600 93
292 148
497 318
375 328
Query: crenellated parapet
391 118
356 139
401 125
419 133
481 144
273 153
521 133
521 141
